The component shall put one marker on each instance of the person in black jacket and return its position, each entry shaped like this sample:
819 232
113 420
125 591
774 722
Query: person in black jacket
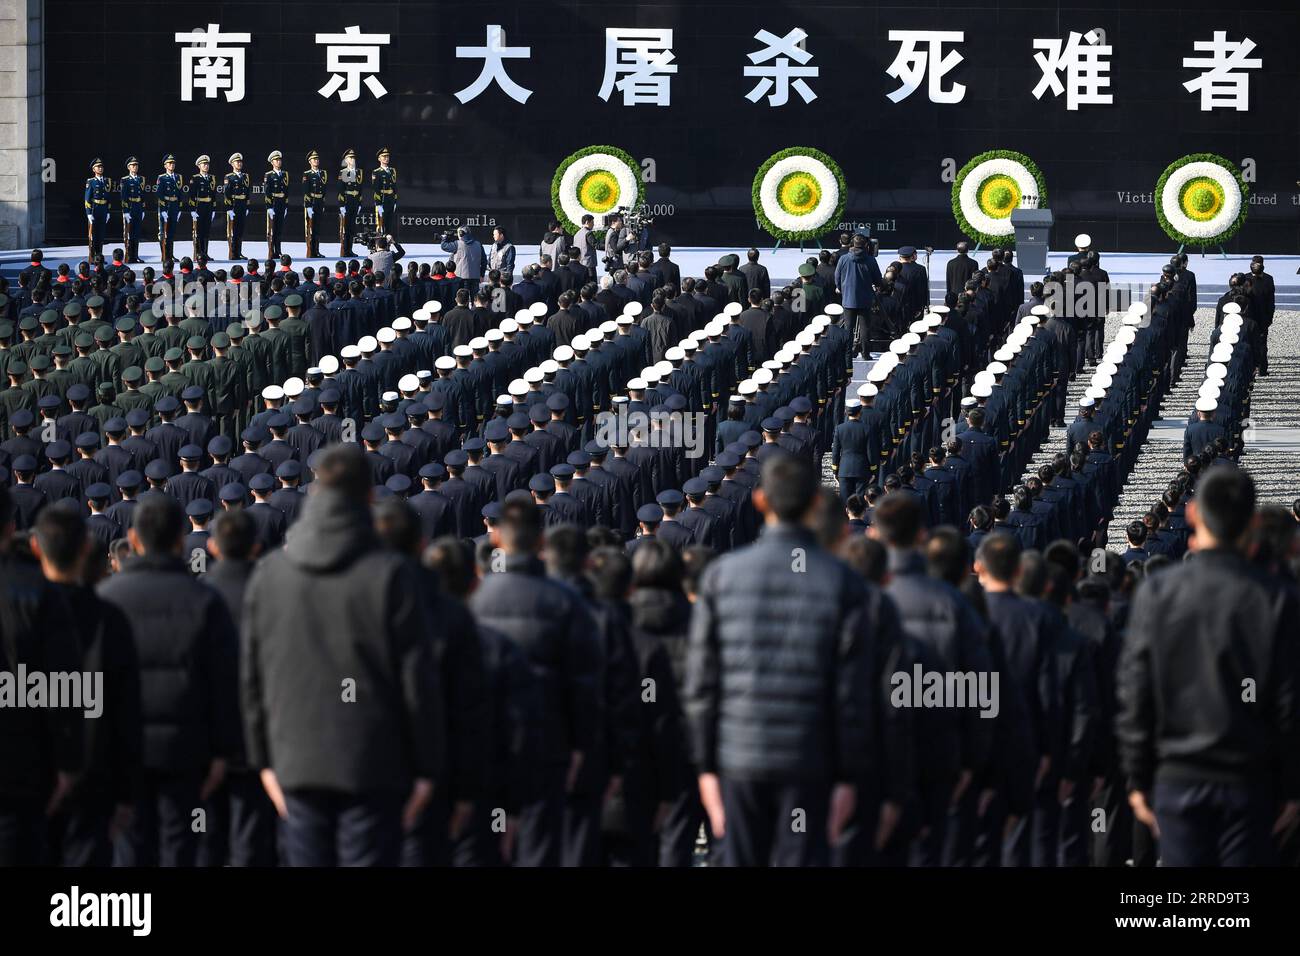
1208 711
616 746
186 647
460 670
241 817
777 692
343 710
100 804
549 622
41 748
945 635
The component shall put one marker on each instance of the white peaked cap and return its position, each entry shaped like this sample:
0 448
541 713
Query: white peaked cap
533 375
368 344
564 353
329 364
402 323
273 393
763 376
1232 308
636 385
509 327
478 344
675 354
834 309
349 352
293 387
537 310
386 334
981 389
1040 310
462 351
517 387
868 390
1206 404
1082 240
549 367
408 383
579 343
494 335
633 308
747 387
733 308
444 362
432 306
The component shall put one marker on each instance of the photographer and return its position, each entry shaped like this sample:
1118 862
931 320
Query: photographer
384 251
467 253
618 239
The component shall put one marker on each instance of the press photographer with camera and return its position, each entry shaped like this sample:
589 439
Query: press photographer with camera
384 251
618 239
466 251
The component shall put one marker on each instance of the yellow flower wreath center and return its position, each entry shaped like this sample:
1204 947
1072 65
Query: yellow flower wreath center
999 196
1202 199
598 191
799 193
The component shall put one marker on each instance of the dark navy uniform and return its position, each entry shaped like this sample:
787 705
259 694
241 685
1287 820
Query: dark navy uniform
171 200
97 197
235 190
132 190
275 194
850 457
314 181
384 180
202 203
350 178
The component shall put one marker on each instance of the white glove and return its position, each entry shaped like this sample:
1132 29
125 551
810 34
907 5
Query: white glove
343 213
90 218
380 210
126 216
230 214
194 216
164 216
310 213
271 213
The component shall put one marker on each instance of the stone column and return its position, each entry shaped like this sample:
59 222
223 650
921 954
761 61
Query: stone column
22 124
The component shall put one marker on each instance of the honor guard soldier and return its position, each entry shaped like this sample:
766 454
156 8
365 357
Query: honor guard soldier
97 194
349 201
235 192
132 188
314 180
385 186
275 193
203 198
171 199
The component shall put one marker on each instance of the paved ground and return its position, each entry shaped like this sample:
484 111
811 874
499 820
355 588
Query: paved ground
1272 447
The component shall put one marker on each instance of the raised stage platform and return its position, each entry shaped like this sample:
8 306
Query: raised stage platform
1212 270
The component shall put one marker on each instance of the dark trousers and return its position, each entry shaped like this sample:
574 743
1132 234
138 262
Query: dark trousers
241 824
858 320
95 230
582 840
347 227
1214 824
329 828
78 833
1034 839
22 831
775 824
131 231
202 228
275 228
479 844
1113 844
427 843
1073 834
168 225
540 841
309 228
852 485
681 828
235 229
162 831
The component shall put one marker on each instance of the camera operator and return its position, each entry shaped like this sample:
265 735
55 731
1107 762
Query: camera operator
618 239
384 251
467 253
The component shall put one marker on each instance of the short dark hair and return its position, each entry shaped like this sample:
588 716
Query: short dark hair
158 522
61 534
235 534
656 565
453 561
565 549
610 573
867 556
398 526
696 558
789 485
520 526
898 516
1000 556
1225 502
343 468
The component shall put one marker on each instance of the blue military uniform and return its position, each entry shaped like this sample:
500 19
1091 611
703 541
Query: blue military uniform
850 457
384 184
313 204
97 198
170 190
202 202
235 190
132 190
275 194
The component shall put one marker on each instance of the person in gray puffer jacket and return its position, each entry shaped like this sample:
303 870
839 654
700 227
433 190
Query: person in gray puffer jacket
778 688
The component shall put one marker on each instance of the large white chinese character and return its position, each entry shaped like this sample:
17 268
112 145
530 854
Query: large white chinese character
209 66
1086 73
644 58
1221 84
347 56
492 54
911 64
777 76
